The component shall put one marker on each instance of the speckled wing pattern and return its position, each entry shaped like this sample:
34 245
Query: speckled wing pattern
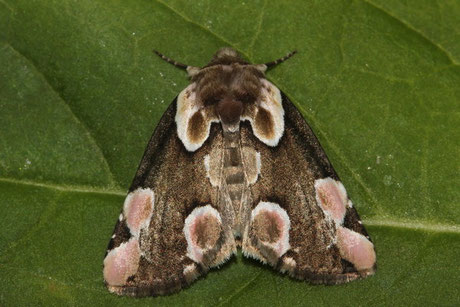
232 163
149 253
325 242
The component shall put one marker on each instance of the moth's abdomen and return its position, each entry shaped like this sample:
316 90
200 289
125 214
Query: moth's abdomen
233 177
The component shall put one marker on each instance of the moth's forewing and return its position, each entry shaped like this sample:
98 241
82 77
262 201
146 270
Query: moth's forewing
233 163
302 221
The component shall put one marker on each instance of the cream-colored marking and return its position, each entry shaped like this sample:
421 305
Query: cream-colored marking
282 244
212 166
261 67
258 163
190 273
113 236
290 261
272 93
192 70
252 164
206 165
187 106
120 217
194 251
226 51
350 204
270 100
225 253
251 252
288 265
189 268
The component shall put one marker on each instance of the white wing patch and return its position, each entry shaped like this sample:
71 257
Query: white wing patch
268 121
252 164
194 122
193 125
211 165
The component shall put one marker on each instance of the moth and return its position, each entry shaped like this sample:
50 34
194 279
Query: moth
233 164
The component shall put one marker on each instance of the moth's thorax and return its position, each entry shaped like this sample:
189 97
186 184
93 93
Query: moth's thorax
228 82
229 94
228 91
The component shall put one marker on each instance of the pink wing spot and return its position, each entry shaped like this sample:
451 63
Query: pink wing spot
332 198
202 229
270 224
138 209
121 263
355 248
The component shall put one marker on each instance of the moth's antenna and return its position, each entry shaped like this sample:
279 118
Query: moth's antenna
171 61
275 62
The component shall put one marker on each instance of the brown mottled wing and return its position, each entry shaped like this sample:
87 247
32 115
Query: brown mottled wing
170 198
302 221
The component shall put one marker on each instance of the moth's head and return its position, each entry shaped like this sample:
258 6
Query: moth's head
226 52
226 56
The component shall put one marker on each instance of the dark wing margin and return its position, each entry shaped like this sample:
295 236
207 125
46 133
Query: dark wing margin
302 221
170 230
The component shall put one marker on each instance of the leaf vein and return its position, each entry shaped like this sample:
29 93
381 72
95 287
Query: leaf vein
228 299
42 276
411 28
258 28
63 188
69 109
187 19
413 225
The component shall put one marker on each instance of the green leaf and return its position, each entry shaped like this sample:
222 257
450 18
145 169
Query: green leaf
81 92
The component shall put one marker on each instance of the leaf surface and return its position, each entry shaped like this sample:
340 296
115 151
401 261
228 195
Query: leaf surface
81 92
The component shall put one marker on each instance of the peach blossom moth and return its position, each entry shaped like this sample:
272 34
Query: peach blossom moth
232 163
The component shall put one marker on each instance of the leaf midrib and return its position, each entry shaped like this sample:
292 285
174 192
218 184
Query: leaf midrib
413 224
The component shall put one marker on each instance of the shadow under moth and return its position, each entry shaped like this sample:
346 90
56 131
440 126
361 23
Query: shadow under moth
232 163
